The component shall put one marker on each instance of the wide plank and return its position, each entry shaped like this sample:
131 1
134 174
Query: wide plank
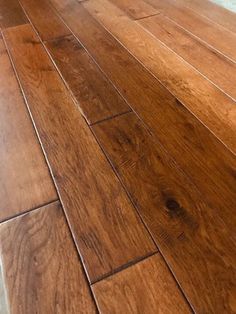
25 182
213 11
189 142
146 287
96 96
190 234
105 225
215 109
137 9
195 52
213 34
44 18
11 14
35 250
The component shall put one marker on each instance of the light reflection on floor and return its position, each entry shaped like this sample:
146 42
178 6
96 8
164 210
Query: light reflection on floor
228 4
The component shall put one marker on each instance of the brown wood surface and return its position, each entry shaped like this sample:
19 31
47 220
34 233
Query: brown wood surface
205 159
137 9
190 234
220 70
215 109
105 225
41 268
211 33
125 292
45 19
96 96
213 11
11 14
25 182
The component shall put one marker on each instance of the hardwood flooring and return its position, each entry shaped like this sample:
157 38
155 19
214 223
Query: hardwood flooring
117 157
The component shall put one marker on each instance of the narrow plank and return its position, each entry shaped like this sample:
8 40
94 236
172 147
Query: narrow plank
11 14
195 52
187 140
215 109
218 37
106 227
213 11
35 250
136 9
146 287
96 96
189 233
25 182
45 19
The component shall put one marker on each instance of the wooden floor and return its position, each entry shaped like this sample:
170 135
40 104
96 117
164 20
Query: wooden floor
117 157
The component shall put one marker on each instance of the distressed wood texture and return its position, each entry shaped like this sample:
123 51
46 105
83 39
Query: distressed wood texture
213 11
40 265
96 96
215 109
220 70
105 225
190 234
214 35
25 182
205 159
125 292
137 9
44 18
11 14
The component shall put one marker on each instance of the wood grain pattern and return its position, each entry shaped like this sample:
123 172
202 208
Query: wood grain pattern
96 96
195 52
11 14
35 250
190 234
45 19
25 182
106 227
216 36
125 292
137 9
213 11
201 97
189 142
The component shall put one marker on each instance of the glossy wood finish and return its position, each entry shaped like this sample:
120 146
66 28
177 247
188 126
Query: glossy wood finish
45 19
137 9
190 234
45 275
96 96
195 52
106 227
215 35
186 139
25 182
11 14
213 11
201 97
125 292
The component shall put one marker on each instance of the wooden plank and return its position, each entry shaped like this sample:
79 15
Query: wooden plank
45 19
195 52
35 250
137 9
213 11
146 287
187 140
106 227
216 36
11 14
25 182
201 97
189 233
96 96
